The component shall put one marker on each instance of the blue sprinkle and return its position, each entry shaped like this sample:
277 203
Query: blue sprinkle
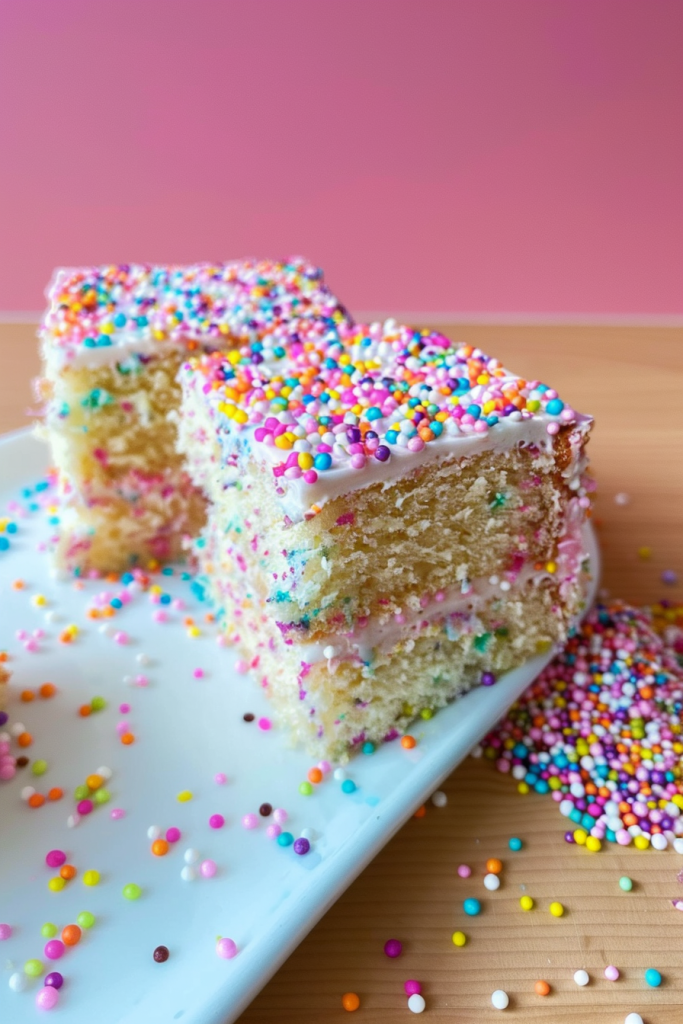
285 839
471 907
166 598
515 843
348 786
116 602
4 544
368 748
11 527
167 571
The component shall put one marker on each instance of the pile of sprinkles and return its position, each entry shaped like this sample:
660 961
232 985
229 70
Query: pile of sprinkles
330 394
601 729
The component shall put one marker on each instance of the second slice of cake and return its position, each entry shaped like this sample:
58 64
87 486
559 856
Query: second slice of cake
392 518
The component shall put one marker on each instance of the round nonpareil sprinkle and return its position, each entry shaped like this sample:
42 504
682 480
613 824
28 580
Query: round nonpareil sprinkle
581 978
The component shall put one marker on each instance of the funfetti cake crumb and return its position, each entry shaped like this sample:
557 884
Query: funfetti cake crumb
392 518
113 339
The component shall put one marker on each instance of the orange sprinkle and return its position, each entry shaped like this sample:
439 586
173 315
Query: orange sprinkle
25 740
315 775
542 988
420 812
27 696
66 637
408 742
128 738
55 793
71 935
18 585
67 871
350 1001
494 866
159 847
4 656
47 690
37 800
84 710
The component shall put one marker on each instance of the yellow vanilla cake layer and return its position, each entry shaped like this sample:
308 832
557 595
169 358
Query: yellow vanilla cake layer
124 497
378 552
332 704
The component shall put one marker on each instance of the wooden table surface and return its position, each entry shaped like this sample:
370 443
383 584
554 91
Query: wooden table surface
631 380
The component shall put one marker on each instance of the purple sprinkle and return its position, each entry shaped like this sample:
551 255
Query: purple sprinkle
393 948
54 979
487 679
301 846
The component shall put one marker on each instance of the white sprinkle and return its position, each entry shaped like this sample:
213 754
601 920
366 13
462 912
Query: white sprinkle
329 652
310 834
18 728
505 585
659 841
51 617
500 999
621 498
105 629
439 799
191 856
416 1003
493 580
73 820
477 751
142 659
339 774
27 792
188 874
633 1018
153 832
581 978
491 882
128 680
678 845
18 981
5 737
105 772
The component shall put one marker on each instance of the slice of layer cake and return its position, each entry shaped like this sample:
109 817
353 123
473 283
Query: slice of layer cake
113 339
392 518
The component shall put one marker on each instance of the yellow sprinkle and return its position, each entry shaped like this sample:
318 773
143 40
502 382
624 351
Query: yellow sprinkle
193 632
91 877
184 796
526 903
556 909
459 938
39 600
641 842
644 553
550 567
593 844
56 884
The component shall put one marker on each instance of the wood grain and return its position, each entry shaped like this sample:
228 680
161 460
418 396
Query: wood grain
631 380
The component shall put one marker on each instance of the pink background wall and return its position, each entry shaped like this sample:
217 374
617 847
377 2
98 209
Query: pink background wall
475 155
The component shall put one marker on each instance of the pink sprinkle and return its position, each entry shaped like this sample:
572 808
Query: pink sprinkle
116 813
21 634
464 871
265 724
324 767
55 858
221 778
38 634
141 680
611 973
121 637
124 709
5 931
208 868
47 998
412 988
273 831
54 949
198 673
553 428
221 640
173 834
122 727
250 821
178 604
84 806
160 615
31 646
7 772
280 816
226 948
241 666
216 821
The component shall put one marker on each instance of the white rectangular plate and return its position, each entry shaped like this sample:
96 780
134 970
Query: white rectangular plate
265 897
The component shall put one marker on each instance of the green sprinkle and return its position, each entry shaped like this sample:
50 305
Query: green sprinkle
132 891
39 767
305 788
98 703
33 968
625 883
81 793
49 930
101 796
85 919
